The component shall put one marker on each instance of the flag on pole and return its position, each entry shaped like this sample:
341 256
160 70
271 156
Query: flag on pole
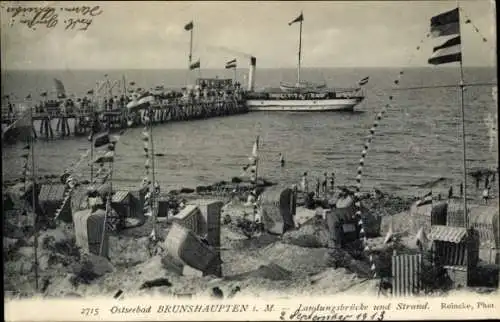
446 24
364 81
195 65
231 64
189 26
426 199
448 52
106 158
28 97
298 19
255 147
101 139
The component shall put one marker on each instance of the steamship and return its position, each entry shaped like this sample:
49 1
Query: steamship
301 96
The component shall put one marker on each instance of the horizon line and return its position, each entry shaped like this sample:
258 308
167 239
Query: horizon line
243 68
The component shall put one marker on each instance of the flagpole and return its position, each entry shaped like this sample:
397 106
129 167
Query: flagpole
124 85
108 206
464 144
300 51
92 150
33 200
257 163
153 190
234 70
191 45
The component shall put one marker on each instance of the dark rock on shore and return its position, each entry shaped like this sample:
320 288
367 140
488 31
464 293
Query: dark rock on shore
236 180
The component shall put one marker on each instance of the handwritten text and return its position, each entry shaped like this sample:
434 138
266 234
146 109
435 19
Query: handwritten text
71 18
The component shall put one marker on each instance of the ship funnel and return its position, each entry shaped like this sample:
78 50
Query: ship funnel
251 73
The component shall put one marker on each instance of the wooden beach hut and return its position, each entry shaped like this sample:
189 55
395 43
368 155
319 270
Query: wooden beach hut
79 198
439 214
406 274
140 196
455 213
456 249
186 247
278 209
51 197
125 206
485 219
420 217
89 230
163 206
209 219
189 217
342 223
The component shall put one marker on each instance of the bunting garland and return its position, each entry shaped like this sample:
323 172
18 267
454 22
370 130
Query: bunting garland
71 183
368 141
25 168
468 21
358 186
361 164
146 182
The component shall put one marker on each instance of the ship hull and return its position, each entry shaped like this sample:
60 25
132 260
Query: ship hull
339 104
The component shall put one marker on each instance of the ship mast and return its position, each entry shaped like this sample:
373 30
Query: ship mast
300 50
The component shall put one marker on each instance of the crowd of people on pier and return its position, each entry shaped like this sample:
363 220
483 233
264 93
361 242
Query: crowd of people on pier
202 91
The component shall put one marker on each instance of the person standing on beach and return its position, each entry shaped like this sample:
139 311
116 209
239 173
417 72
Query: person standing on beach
477 182
487 181
305 187
282 160
332 181
486 195
324 184
317 186
461 189
450 192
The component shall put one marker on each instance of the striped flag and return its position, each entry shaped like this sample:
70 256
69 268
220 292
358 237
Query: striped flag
231 64
446 24
426 199
195 65
364 81
298 19
189 26
101 139
106 158
448 52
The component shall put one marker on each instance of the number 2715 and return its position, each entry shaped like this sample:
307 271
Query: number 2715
90 311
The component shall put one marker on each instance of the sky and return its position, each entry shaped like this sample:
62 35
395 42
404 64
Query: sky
335 34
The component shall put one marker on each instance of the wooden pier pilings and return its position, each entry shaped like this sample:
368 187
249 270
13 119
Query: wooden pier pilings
55 124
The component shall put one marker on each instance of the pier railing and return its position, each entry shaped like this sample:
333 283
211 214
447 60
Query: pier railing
165 110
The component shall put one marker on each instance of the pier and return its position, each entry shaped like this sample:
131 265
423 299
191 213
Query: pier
53 124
